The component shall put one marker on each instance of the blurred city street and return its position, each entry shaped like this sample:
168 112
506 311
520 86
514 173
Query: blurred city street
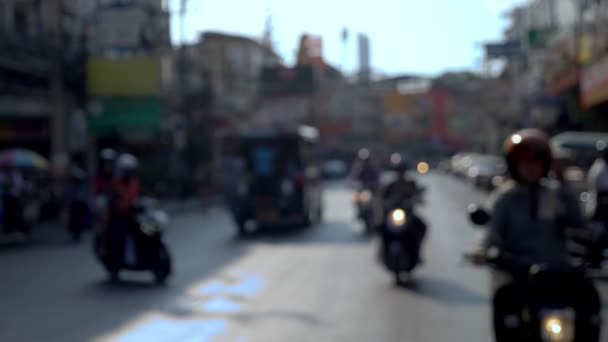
316 284
141 141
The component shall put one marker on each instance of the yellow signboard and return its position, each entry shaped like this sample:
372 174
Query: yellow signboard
395 102
129 76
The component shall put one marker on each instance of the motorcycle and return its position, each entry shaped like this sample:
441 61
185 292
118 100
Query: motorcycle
79 216
597 246
402 234
141 248
363 199
543 312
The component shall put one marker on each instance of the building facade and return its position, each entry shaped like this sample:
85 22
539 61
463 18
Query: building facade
233 68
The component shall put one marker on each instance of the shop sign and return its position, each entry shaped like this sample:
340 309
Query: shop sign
594 84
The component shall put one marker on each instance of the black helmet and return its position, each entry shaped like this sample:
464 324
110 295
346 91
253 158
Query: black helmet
528 144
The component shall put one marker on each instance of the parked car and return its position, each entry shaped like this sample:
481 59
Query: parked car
444 165
335 169
461 162
487 171
578 147
576 152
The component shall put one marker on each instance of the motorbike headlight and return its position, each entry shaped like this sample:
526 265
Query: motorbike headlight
397 218
558 327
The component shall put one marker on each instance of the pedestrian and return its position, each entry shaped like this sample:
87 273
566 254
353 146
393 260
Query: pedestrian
12 200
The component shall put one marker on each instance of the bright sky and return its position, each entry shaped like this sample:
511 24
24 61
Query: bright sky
421 36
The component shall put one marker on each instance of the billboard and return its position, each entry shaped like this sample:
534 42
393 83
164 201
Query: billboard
594 84
283 111
406 116
120 115
130 26
506 49
395 102
129 76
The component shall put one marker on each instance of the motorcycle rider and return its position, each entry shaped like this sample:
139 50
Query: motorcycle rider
105 176
597 179
126 185
598 182
364 171
13 218
79 210
402 186
125 191
402 189
528 218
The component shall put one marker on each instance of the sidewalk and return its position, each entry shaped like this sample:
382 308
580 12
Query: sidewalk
56 232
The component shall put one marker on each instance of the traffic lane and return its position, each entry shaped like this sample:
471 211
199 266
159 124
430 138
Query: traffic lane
458 193
58 291
328 285
324 283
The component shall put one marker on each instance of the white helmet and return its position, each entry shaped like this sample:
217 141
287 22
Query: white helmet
127 161
108 154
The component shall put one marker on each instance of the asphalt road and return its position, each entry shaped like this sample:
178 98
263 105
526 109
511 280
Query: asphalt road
318 284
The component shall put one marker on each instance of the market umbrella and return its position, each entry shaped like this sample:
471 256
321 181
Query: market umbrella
22 158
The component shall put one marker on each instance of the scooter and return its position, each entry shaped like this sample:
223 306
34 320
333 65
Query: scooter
402 235
142 248
363 199
596 247
549 309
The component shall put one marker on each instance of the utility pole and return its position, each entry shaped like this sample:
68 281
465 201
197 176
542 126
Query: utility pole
344 38
59 156
182 53
181 119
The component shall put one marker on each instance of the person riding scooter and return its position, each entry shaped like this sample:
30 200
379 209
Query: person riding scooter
528 220
399 223
402 186
134 233
105 176
117 231
597 180
79 209
364 171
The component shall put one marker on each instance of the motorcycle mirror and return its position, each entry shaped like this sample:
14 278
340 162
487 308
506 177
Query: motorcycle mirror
478 215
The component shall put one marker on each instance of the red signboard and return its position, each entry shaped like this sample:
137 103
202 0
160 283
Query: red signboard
594 84
440 104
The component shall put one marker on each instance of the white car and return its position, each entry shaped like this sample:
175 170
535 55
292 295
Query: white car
335 169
